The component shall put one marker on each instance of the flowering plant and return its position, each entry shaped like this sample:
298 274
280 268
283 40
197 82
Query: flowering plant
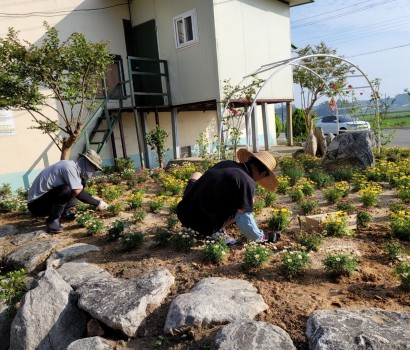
402 271
255 255
400 224
132 240
279 219
336 192
336 224
294 262
340 264
135 199
184 240
370 194
95 226
215 251
284 184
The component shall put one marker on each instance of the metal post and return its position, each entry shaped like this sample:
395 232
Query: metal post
254 122
139 139
265 124
175 134
289 123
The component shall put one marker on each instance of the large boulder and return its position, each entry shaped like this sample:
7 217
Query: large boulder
92 343
353 148
72 252
252 335
214 301
311 145
31 256
374 329
124 304
321 142
48 318
7 230
5 325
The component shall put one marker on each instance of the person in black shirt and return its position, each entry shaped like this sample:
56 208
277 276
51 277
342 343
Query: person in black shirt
224 194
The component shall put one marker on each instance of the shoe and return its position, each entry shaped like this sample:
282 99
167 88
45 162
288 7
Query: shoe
68 216
272 236
53 226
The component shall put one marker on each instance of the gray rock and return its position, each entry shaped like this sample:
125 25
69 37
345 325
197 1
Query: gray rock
69 253
123 304
94 343
78 273
48 317
251 335
311 145
31 255
374 329
29 236
8 230
5 325
321 142
214 301
353 148
329 139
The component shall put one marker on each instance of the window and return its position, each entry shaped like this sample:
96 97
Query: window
186 29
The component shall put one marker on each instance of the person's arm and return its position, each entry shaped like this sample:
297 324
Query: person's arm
85 197
247 225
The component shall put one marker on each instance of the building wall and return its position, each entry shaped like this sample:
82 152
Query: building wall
193 69
28 150
250 34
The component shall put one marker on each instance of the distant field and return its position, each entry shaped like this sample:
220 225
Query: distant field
393 120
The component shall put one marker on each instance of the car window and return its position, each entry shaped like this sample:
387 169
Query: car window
328 119
345 119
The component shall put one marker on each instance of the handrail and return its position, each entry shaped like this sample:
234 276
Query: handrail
102 106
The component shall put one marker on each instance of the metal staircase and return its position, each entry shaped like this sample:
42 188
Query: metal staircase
104 120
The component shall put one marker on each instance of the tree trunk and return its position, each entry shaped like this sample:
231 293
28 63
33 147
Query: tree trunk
66 147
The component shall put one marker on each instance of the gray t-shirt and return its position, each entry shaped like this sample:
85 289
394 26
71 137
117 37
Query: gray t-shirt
63 172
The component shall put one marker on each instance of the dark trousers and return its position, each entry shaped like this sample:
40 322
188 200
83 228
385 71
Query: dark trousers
61 195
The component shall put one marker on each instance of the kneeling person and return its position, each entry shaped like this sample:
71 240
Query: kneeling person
55 190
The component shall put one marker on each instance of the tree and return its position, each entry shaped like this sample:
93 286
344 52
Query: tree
61 76
156 139
333 73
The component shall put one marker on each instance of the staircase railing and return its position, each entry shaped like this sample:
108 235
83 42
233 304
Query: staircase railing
104 110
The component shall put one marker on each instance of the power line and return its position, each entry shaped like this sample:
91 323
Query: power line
341 14
55 13
386 49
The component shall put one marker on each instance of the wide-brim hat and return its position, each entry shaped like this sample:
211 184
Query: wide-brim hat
93 157
269 182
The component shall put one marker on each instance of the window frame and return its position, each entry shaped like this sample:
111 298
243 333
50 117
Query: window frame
194 24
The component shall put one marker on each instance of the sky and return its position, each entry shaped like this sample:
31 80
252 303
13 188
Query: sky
372 34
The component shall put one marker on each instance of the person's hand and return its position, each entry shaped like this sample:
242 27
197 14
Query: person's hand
102 206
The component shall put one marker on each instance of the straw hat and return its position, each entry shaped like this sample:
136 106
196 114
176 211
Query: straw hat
270 182
93 157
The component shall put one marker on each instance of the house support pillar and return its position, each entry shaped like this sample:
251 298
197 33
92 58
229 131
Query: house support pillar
289 123
144 129
175 134
140 138
254 122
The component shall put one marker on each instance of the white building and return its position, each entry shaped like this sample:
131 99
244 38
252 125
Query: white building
195 44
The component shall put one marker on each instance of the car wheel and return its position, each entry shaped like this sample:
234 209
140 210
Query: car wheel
342 131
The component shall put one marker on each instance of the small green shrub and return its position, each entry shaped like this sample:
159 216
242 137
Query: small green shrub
255 255
116 208
156 204
308 206
270 199
139 215
295 193
9 204
394 250
340 264
400 224
215 251
84 217
5 190
135 199
346 206
402 271
309 241
345 173
184 240
13 286
117 230
124 164
284 184
258 206
336 224
321 178
111 192
162 237
172 221
404 194
294 174
279 219
127 174
132 240
363 218
94 226
294 262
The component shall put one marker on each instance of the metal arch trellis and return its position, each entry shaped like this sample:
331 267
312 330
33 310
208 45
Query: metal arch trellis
279 66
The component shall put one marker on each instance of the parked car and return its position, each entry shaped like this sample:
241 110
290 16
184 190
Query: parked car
347 123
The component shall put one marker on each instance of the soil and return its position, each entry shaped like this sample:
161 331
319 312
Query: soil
290 301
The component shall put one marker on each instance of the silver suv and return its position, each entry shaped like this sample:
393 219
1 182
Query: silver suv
347 123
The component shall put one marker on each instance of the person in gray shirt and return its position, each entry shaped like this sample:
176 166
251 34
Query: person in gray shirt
56 189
